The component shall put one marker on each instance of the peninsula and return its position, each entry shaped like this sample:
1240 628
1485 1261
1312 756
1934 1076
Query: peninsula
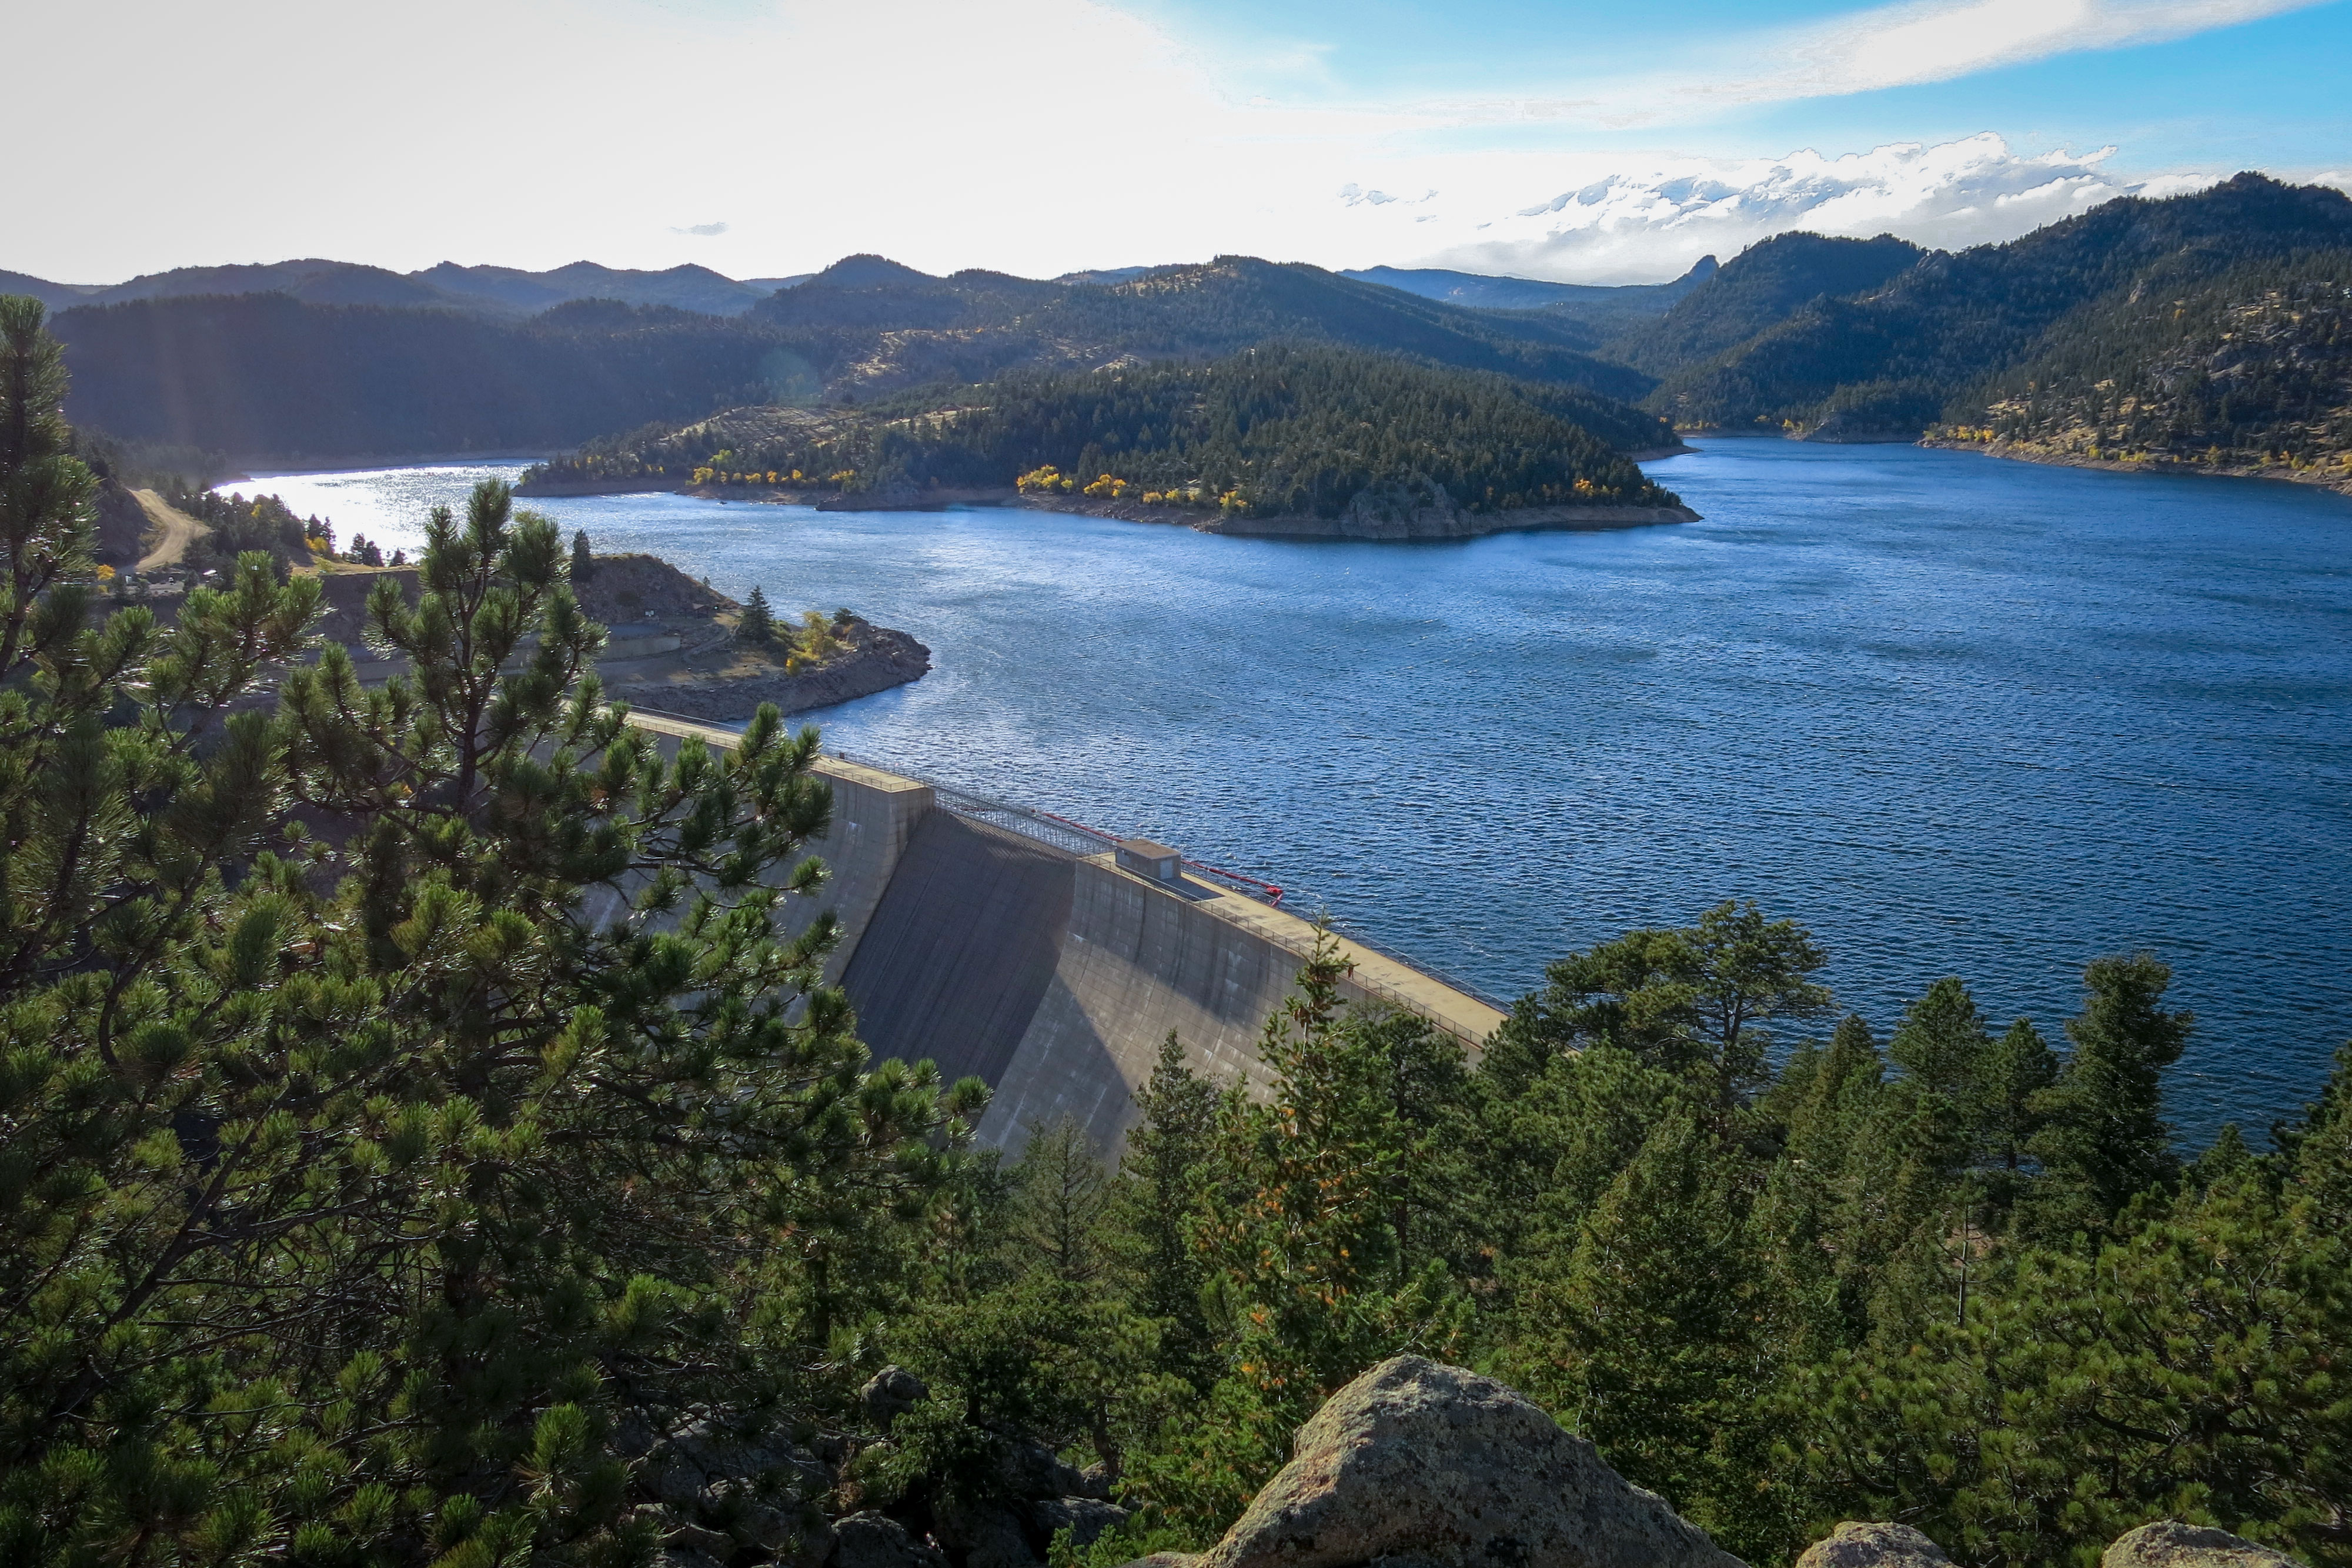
1287 440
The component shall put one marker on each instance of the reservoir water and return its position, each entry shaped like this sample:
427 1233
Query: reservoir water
1956 715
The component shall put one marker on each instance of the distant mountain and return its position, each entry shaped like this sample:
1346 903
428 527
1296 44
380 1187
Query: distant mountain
273 376
267 376
497 290
873 325
1941 339
2202 321
1764 286
56 296
1583 301
686 287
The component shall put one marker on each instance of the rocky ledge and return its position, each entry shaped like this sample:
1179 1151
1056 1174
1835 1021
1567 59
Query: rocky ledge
1416 1464
876 658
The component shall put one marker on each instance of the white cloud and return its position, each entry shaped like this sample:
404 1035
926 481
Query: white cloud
1886 46
1650 222
1036 136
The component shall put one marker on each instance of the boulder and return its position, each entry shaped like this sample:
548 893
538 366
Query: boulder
2169 1543
890 1393
1086 1518
1857 1545
985 1534
1420 1463
877 1540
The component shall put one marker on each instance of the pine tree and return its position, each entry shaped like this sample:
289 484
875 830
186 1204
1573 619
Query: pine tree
1941 1040
2015 1074
584 560
1159 1197
2103 1140
1652 1325
756 625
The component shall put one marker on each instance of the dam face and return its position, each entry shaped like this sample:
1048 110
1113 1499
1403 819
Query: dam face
1034 962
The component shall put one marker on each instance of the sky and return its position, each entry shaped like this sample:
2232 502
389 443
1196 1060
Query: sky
1583 140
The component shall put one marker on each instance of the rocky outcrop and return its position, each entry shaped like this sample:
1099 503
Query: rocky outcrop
877 1540
722 1493
1857 1545
876 658
2169 1543
1420 1463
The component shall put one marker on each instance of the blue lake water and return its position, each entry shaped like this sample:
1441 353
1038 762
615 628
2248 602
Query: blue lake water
1957 715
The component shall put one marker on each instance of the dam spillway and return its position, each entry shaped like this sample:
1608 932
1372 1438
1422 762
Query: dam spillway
1042 967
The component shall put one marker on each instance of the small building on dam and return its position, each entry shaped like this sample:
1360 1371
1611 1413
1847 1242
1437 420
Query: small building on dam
1051 963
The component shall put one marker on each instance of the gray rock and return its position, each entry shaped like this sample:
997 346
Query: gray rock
890 1393
1165 1559
1085 1518
986 1534
1430 1464
1031 1470
877 1540
1858 1544
2169 1543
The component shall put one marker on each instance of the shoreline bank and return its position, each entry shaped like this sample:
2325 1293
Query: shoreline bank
1456 525
2338 482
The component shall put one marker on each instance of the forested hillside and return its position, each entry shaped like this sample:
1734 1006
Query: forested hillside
269 375
1286 429
1763 287
266 374
2249 369
1836 339
1936 341
882 327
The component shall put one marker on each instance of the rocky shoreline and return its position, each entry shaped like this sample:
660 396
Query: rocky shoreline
2339 480
1409 513
878 658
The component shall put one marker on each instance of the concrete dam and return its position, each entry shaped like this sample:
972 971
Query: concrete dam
1033 955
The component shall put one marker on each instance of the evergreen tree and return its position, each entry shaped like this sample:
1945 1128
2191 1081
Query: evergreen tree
359 1189
756 626
2016 1074
1651 1350
1695 1000
2103 1140
1158 1194
1941 1042
584 560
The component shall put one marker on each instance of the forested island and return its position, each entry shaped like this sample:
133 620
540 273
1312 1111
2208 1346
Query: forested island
1283 439
427 1136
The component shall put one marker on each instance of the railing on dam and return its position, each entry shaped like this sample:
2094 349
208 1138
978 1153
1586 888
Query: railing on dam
1046 828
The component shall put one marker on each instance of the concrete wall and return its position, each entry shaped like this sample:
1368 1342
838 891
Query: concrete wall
1055 976
961 949
875 814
